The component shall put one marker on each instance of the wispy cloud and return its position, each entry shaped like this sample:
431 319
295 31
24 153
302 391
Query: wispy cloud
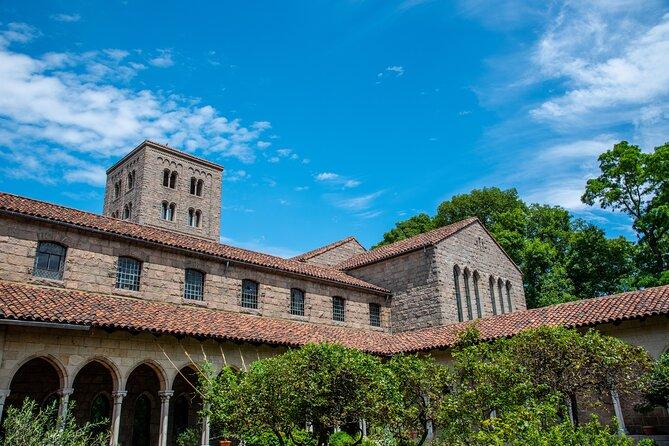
335 179
62 17
357 203
164 59
394 70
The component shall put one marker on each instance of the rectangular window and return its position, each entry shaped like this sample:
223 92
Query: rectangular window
127 273
194 286
374 315
49 261
249 294
297 302
338 309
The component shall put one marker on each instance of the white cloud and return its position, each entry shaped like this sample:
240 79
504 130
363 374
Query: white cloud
93 175
236 175
66 17
327 176
334 179
358 203
284 152
263 144
301 188
273 159
72 103
163 59
397 69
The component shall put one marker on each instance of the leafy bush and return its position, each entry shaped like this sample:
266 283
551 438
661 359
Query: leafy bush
340 439
189 437
31 425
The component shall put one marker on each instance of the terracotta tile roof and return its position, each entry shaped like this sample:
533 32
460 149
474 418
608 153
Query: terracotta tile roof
58 305
58 214
47 304
407 245
581 313
323 249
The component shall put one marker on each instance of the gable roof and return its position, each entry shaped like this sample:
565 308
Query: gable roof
25 302
407 245
26 207
323 249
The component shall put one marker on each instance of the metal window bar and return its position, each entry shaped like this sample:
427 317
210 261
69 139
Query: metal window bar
338 310
49 261
249 294
128 273
194 285
297 302
374 315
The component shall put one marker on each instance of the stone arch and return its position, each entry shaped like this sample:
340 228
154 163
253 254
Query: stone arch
95 379
105 362
40 377
185 403
159 369
140 414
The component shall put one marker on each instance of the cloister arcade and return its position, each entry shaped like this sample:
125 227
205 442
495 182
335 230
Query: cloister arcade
146 407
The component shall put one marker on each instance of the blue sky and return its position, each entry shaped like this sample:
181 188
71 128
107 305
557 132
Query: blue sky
332 118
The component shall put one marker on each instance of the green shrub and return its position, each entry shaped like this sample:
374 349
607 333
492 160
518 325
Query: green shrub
31 425
189 437
340 439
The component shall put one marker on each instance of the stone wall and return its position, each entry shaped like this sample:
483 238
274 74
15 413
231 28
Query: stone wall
475 250
91 266
337 255
413 280
114 205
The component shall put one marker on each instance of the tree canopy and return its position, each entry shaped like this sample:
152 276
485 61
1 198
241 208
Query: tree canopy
564 258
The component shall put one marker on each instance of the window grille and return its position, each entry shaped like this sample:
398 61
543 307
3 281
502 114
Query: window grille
49 260
297 302
194 286
374 315
249 294
338 309
127 273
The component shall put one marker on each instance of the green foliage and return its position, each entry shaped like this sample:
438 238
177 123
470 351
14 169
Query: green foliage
31 425
658 383
189 437
563 258
340 439
637 184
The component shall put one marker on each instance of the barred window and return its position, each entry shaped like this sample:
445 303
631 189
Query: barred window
338 309
127 273
249 294
374 315
194 286
297 302
49 260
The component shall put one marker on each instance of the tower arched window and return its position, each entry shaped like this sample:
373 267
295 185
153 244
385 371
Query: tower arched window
166 177
477 295
508 295
468 297
500 284
131 180
198 218
127 211
194 218
167 211
199 187
193 185
458 296
173 179
171 211
117 189
492 294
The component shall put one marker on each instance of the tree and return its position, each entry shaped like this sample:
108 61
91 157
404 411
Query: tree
657 393
487 204
637 184
422 385
415 225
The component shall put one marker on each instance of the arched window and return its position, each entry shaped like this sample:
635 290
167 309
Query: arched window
127 211
193 185
477 295
191 217
128 272
508 295
114 214
100 409
468 297
458 296
249 294
194 284
297 302
131 180
171 211
198 189
500 294
166 177
164 206
198 218
492 295
173 179
117 189
49 260
141 421
338 309
374 314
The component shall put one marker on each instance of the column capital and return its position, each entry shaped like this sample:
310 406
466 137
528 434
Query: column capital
4 393
119 394
165 394
66 391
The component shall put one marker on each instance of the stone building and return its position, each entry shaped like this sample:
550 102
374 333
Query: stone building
115 311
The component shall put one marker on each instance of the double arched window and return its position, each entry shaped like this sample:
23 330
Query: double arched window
49 260
470 279
131 179
196 186
170 178
194 218
167 211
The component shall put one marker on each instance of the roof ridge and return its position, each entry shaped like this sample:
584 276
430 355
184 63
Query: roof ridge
166 237
325 248
407 245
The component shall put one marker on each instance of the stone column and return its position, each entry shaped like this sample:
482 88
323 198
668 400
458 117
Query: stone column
118 396
4 393
618 411
204 439
64 401
164 415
